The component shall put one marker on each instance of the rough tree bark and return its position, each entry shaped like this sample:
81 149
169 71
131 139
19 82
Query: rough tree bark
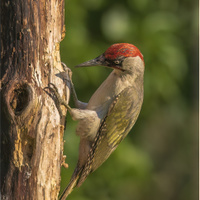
31 127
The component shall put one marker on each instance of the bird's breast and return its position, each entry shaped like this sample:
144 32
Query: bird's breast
106 93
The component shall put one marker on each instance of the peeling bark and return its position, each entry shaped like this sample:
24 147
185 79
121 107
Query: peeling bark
31 127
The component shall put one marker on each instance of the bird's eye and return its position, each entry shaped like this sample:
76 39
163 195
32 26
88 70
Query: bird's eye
117 62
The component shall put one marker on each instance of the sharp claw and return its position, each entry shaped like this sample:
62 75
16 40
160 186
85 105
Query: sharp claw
64 66
54 92
53 87
58 99
56 96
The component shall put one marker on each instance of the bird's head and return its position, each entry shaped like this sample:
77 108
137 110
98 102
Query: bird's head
120 56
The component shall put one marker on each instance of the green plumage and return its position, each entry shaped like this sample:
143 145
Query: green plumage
119 120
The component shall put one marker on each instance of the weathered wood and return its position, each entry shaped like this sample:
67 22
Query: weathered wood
31 127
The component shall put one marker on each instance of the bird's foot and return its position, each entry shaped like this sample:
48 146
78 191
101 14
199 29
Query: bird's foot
57 98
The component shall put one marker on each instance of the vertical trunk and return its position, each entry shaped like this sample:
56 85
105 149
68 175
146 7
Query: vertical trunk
31 127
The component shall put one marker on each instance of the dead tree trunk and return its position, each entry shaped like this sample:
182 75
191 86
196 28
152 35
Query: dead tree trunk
31 127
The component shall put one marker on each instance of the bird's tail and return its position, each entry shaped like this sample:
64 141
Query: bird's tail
72 184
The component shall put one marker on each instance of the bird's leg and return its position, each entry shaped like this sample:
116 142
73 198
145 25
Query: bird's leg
78 104
88 119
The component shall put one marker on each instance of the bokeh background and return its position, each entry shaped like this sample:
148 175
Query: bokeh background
158 160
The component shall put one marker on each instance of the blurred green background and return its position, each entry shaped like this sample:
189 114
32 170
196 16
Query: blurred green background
158 160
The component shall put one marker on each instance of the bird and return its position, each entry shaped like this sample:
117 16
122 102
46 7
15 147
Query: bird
111 112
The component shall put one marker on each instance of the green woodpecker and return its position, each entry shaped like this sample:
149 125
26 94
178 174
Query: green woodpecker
110 113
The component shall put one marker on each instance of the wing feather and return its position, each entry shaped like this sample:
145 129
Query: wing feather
120 118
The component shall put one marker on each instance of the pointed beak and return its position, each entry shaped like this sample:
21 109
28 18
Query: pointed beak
99 61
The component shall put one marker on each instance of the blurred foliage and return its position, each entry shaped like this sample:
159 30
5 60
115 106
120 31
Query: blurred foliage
159 158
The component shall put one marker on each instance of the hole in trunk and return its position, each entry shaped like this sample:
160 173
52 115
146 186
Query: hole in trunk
20 98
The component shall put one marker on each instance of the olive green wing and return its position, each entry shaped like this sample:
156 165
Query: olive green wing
119 120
